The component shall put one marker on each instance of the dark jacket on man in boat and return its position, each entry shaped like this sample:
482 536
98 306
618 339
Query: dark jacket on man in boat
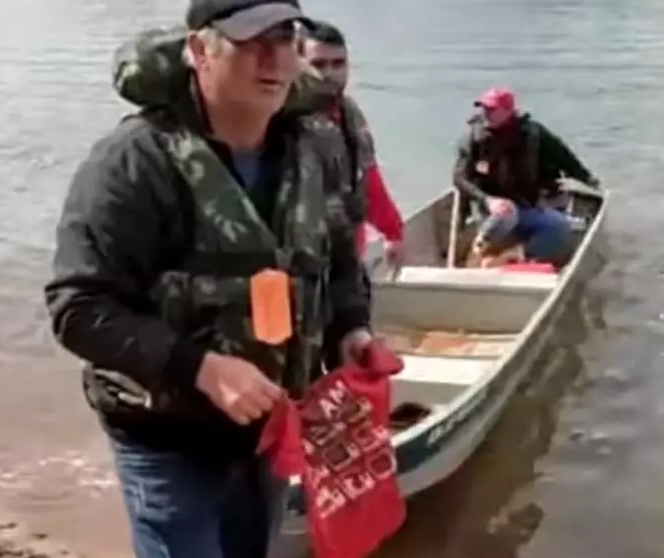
519 161
157 246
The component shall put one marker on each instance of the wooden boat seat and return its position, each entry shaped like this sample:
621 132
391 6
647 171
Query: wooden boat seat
431 381
476 278
441 343
442 370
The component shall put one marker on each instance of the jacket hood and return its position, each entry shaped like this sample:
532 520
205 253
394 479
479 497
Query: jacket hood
149 71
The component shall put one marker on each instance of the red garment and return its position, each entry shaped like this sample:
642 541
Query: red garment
382 213
533 267
336 438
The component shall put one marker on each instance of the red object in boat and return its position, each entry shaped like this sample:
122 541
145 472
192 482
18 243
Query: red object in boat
532 267
336 438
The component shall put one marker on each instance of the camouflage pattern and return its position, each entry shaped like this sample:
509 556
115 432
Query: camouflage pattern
214 308
148 68
360 156
340 191
359 127
149 71
310 94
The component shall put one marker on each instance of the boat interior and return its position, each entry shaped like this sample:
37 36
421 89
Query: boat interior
454 324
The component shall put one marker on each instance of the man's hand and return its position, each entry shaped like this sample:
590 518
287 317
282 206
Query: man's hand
361 348
394 252
237 387
353 345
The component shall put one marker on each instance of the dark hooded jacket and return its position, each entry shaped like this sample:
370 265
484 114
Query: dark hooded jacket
138 231
519 162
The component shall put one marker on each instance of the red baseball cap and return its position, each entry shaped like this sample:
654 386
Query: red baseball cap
497 97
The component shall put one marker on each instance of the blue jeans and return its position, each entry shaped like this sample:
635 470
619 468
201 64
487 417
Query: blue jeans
546 233
182 506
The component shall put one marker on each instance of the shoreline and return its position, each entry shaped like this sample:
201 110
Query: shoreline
18 542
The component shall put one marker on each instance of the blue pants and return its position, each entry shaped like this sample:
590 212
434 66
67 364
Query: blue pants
180 506
545 232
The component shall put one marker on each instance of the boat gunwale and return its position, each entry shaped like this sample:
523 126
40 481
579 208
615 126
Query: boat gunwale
538 316
445 423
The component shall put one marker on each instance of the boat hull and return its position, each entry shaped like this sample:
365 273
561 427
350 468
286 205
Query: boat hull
438 450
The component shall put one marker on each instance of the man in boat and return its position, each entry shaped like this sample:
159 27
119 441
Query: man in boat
324 54
200 255
509 165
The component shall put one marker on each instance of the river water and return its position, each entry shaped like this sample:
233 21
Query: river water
575 467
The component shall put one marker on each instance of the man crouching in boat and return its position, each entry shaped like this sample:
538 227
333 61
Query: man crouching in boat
198 262
510 164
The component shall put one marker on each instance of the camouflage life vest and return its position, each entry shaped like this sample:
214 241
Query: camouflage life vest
361 154
207 297
312 97
149 71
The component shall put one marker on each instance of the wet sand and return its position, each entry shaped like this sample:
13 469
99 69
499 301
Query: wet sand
20 544
56 479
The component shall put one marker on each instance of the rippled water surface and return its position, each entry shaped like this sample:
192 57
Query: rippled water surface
576 467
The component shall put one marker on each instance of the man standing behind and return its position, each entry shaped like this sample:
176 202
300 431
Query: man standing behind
324 53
